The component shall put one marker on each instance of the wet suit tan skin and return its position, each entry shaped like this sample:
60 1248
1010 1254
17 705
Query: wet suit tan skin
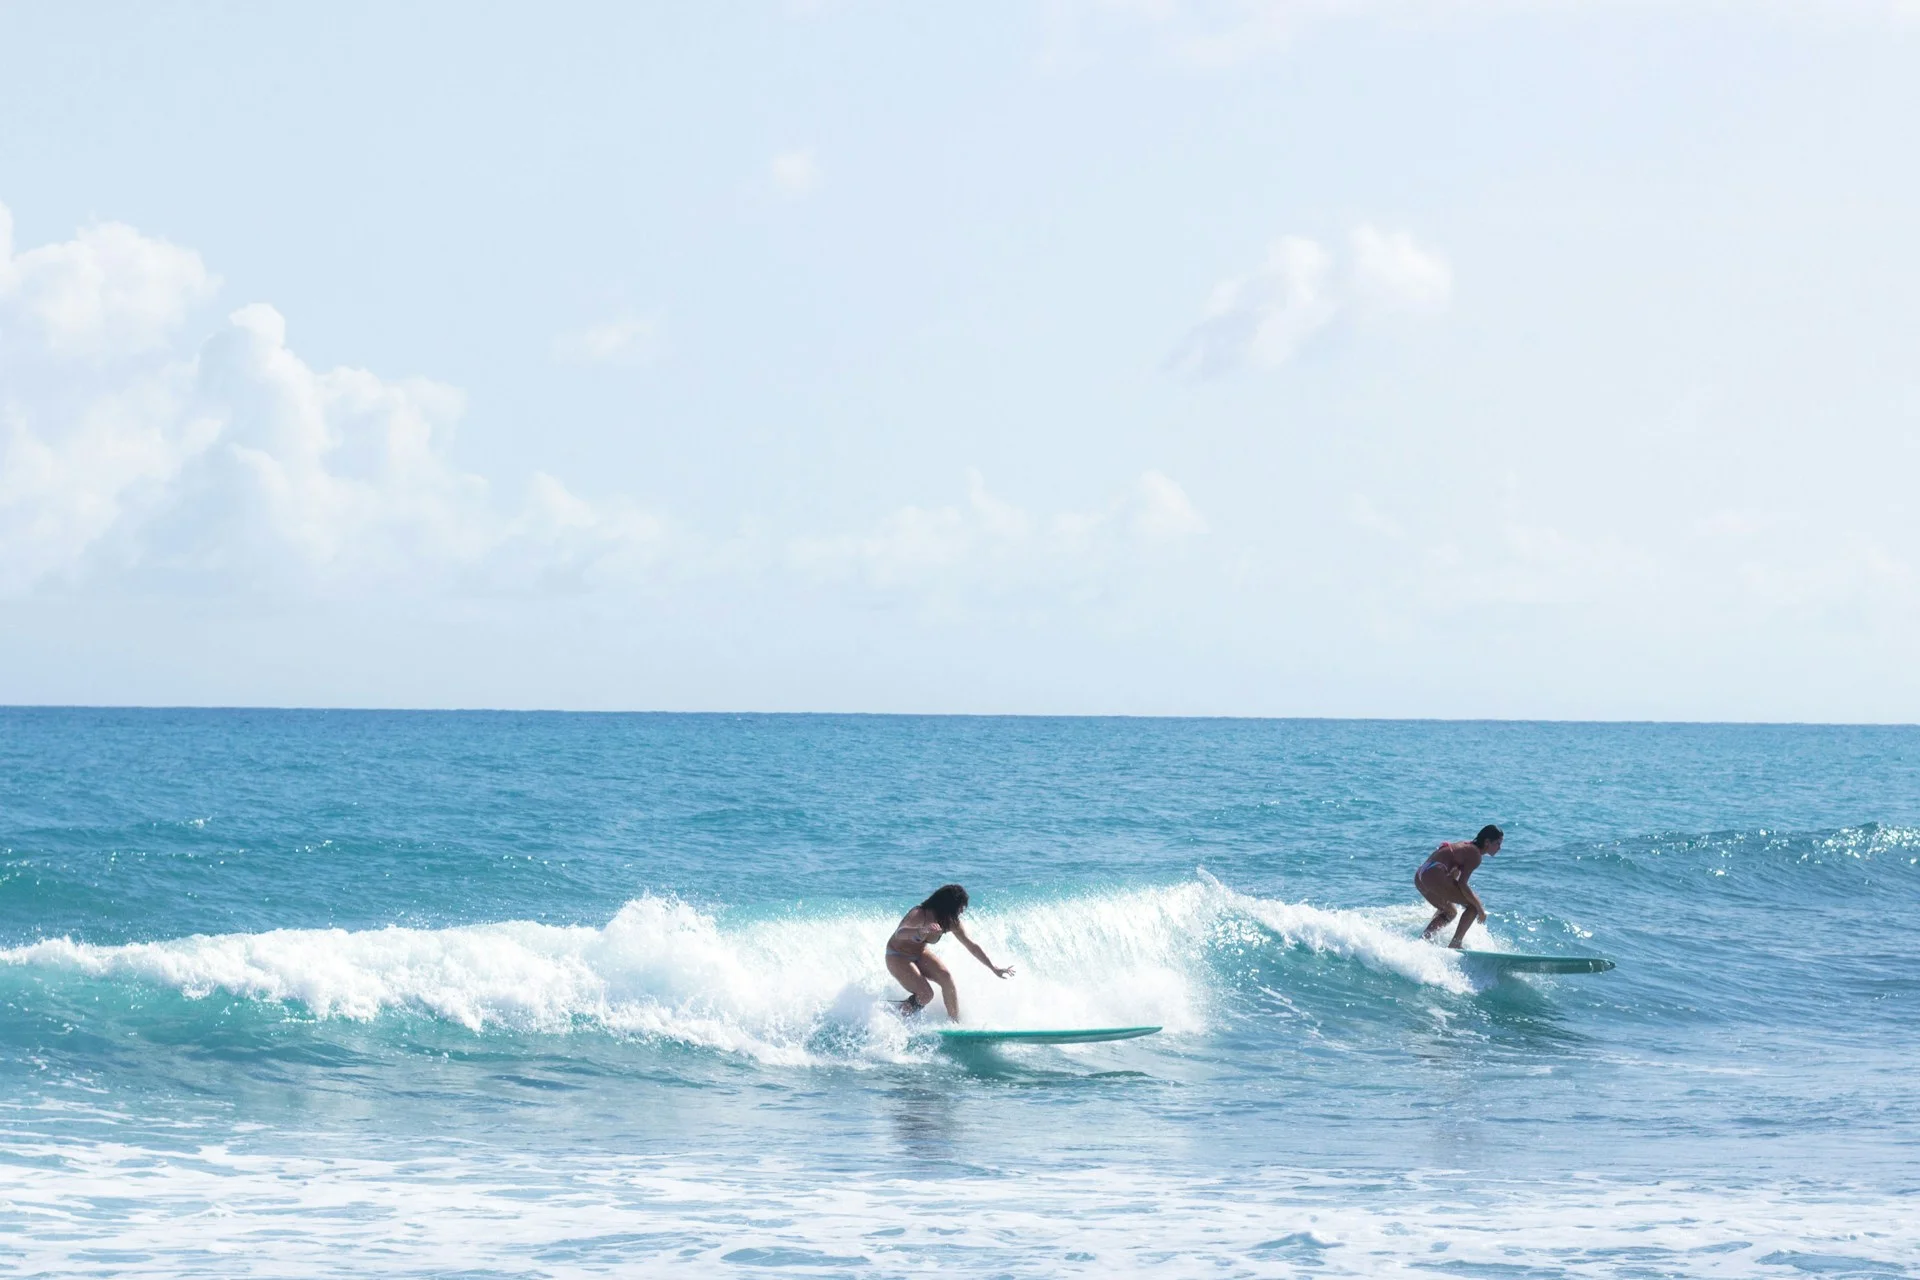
1442 880
909 961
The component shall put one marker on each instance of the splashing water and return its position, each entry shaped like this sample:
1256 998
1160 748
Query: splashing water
764 985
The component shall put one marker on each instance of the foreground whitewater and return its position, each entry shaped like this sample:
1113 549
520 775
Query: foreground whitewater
289 993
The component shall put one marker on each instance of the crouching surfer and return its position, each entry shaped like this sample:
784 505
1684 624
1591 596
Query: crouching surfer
1442 880
909 961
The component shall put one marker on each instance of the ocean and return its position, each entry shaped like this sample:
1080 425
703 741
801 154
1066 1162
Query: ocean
299 993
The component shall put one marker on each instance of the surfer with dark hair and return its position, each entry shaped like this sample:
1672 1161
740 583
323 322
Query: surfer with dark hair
1442 880
909 961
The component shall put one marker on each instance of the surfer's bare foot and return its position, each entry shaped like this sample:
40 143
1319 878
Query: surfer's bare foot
907 1008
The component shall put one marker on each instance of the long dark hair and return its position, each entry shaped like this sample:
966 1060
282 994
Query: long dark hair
945 905
1488 834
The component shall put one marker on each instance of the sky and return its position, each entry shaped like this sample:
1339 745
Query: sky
1460 358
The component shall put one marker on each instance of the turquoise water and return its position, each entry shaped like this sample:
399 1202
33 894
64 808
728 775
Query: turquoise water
296 993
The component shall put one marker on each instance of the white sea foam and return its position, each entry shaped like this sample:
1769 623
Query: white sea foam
221 1212
1380 938
767 986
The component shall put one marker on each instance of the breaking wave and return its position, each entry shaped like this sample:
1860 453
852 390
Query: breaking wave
783 988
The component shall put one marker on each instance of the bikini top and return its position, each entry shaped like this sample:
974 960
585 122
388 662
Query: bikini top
922 934
1465 855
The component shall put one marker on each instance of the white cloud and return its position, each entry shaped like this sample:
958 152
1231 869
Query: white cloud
107 290
1392 273
227 463
624 340
1262 317
1265 317
990 546
795 174
1159 508
236 464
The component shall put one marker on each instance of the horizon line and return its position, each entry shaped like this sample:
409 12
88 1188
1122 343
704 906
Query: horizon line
949 715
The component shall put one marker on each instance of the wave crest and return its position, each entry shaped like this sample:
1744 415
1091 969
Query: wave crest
771 987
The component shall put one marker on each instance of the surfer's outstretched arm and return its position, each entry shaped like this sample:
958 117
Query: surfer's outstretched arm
959 932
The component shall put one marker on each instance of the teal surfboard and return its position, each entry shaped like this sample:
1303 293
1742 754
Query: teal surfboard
1086 1035
1510 962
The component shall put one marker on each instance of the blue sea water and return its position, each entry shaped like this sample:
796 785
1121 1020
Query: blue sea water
305 993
